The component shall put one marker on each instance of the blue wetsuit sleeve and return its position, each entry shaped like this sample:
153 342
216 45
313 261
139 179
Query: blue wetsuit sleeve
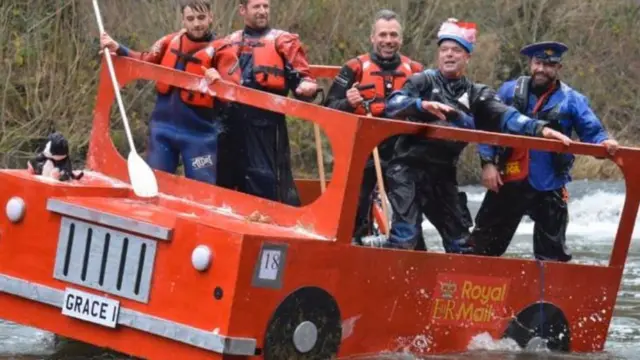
463 120
407 102
492 114
515 123
122 50
487 152
587 124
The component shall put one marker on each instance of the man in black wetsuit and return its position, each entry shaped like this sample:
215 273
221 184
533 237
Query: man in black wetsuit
254 149
422 174
382 70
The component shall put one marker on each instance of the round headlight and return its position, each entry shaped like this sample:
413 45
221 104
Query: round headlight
201 257
15 209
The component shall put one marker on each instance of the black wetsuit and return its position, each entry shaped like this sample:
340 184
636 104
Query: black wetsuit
422 174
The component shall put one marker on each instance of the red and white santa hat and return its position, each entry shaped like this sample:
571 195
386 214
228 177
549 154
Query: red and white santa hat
464 33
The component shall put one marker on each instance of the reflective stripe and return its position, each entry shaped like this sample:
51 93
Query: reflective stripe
116 221
207 340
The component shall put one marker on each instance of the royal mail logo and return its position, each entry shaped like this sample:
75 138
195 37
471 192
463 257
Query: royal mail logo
448 289
469 300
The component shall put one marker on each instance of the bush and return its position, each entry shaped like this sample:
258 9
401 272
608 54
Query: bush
49 59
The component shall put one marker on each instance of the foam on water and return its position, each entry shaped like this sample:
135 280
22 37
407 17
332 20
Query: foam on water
484 341
595 215
18 340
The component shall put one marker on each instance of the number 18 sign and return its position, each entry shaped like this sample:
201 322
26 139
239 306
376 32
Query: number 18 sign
270 266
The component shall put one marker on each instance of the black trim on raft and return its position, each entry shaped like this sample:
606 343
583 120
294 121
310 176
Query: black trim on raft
544 321
305 305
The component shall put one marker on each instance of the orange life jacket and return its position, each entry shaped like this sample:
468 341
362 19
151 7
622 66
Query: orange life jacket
385 81
194 59
268 65
516 166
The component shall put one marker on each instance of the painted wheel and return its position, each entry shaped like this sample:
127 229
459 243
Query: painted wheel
540 324
306 325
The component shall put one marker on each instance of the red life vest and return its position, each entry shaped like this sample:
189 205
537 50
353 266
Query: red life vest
194 55
268 65
385 81
516 166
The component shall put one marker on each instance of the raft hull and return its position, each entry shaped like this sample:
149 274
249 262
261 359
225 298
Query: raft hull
386 300
202 272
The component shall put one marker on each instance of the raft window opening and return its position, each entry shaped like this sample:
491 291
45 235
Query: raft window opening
143 251
67 259
123 260
105 255
87 252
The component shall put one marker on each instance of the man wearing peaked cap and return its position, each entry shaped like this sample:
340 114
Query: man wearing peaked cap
522 181
546 51
422 173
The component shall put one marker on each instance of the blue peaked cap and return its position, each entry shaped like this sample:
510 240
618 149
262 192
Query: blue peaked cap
547 51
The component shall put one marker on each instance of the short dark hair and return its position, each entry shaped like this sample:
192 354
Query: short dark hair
197 5
385 14
244 2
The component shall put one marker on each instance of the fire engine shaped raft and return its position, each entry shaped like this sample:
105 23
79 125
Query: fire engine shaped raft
191 272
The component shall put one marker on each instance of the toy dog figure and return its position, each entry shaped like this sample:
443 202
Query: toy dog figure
54 160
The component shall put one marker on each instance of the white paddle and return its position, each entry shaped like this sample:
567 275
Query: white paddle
143 179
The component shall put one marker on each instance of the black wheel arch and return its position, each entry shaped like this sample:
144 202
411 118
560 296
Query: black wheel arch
542 320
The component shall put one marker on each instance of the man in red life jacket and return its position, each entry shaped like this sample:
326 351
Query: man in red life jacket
256 155
186 122
387 69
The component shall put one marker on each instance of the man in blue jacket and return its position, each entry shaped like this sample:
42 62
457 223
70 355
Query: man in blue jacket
422 173
532 182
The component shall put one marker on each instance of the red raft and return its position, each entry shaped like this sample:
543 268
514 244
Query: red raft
202 272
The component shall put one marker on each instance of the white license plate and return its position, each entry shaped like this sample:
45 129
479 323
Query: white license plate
88 307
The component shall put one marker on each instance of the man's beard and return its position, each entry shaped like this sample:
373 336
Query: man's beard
204 33
258 20
542 81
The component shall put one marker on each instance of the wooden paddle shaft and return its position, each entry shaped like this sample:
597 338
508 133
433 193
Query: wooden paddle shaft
320 157
378 167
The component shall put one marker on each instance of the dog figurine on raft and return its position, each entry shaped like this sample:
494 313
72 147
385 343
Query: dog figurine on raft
54 161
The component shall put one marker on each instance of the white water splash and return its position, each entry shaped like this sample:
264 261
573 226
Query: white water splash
348 326
484 341
16 340
595 215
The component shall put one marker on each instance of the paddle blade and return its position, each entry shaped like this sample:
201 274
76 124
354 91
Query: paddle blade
142 177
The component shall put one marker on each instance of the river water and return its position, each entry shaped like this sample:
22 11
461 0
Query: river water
594 208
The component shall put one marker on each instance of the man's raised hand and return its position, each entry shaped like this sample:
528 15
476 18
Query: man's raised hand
437 109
